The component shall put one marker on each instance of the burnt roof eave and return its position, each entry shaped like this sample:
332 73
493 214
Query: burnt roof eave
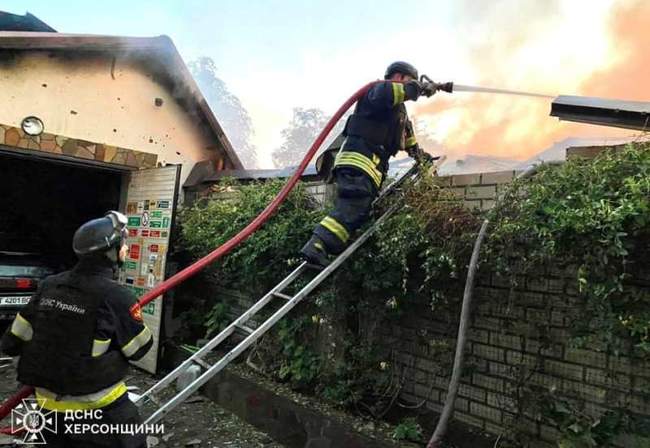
602 111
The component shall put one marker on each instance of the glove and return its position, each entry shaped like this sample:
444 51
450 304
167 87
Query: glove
419 155
428 88
413 89
426 158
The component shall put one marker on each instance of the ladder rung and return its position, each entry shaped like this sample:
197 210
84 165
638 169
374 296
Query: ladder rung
245 329
202 363
316 267
282 296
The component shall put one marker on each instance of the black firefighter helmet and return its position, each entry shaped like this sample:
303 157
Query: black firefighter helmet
401 67
100 235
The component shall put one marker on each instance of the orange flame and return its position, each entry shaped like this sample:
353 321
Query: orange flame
519 127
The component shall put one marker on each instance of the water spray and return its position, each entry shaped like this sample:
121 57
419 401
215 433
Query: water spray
450 87
462 88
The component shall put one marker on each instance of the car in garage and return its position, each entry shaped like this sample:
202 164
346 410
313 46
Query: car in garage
20 274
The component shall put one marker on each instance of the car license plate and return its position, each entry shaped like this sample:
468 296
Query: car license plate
14 300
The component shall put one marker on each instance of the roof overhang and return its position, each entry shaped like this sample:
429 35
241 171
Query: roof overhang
602 111
205 173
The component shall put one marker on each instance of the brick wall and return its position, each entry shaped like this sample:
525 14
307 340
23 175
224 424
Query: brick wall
504 346
320 191
478 190
515 333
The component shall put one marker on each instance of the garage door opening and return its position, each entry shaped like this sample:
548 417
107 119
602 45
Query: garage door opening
44 201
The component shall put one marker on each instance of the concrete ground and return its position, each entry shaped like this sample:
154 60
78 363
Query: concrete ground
198 423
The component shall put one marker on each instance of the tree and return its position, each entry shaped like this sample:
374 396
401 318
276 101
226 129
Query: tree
298 136
301 132
227 108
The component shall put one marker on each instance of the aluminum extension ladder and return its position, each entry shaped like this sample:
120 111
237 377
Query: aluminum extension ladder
253 334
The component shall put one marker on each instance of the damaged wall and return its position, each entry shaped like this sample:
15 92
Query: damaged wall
92 97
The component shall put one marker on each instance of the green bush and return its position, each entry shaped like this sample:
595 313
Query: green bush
408 429
300 364
267 255
591 216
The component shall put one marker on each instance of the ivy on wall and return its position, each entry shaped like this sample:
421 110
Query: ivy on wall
590 217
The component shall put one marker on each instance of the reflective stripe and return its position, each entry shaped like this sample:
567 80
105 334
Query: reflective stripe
336 228
411 141
398 93
134 344
100 346
22 329
52 402
362 162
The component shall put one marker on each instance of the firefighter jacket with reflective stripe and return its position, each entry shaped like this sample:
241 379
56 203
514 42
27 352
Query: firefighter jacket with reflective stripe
378 129
76 334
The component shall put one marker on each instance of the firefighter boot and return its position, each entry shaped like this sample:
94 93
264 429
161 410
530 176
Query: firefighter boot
314 252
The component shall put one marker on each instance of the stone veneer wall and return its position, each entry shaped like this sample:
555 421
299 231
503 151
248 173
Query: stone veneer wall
56 144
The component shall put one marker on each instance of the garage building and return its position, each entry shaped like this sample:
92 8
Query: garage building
93 123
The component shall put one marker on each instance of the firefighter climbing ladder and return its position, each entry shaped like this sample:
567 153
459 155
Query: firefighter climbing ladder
239 325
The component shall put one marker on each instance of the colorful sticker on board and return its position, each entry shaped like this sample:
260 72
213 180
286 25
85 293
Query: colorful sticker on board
153 248
129 280
134 221
131 208
152 204
139 281
165 222
133 233
164 234
155 233
149 308
144 232
145 219
163 204
146 205
151 281
130 265
140 207
155 224
134 252
156 214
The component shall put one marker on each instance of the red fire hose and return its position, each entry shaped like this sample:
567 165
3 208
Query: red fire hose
222 250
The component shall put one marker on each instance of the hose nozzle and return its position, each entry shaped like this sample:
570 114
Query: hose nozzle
445 87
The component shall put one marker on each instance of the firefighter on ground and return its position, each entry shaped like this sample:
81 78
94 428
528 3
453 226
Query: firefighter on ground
76 336
378 128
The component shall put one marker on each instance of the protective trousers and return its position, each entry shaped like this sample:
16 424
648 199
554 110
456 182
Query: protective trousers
355 192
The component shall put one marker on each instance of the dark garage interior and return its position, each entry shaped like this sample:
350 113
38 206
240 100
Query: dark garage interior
43 202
